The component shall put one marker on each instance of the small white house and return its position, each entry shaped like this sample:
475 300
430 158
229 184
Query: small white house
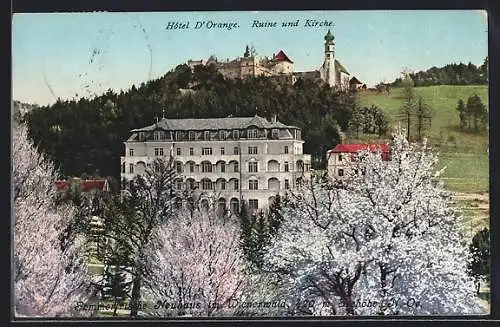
339 157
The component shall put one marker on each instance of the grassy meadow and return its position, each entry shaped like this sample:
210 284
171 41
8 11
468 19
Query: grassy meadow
465 155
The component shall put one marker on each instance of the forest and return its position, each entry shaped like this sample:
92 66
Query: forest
450 74
84 136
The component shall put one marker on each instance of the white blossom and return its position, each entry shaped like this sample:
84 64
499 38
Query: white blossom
386 236
48 281
198 268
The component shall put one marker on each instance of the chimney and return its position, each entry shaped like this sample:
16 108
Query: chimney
342 137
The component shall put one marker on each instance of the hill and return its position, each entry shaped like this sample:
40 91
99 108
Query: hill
451 74
85 136
464 154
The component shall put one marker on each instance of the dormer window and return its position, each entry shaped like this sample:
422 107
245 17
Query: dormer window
158 135
252 133
191 135
275 133
178 136
207 135
222 135
141 136
236 134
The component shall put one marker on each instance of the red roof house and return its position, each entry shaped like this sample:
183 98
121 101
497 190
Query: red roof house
356 147
338 156
281 56
86 185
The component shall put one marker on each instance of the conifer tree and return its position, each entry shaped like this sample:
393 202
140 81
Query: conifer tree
479 266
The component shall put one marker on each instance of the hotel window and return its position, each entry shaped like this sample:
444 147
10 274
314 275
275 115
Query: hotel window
223 167
236 184
178 151
252 167
123 168
287 167
252 133
340 157
235 207
178 136
222 151
223 185
131 152
206 167
287 184
178 166
191 184
253 185
252 150
206 151
222 135
191 135
253 204
236 150
191 151
191 167
178 184
156 135
207 135
206 184
158 151
236 134
286 149
341 172
131 168
236 167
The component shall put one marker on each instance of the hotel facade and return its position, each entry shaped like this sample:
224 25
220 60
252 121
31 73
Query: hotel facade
234 159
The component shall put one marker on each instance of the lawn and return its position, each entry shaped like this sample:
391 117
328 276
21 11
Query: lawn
464 154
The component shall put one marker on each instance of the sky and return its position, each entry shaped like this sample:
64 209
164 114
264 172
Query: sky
70 55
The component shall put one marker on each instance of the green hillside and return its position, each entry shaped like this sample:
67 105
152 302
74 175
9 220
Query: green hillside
464 154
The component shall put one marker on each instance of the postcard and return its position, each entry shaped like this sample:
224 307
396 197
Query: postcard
250 164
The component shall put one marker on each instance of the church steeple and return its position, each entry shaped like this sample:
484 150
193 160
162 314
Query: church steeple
329 37
329 73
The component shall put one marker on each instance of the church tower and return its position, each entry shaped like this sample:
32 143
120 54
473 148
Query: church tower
329 74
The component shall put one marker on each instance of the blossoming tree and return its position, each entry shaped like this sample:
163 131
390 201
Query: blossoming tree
50 272
198 267
384 241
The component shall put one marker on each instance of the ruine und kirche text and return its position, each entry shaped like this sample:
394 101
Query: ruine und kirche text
256 23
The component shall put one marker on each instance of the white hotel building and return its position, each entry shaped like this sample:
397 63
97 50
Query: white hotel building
244 158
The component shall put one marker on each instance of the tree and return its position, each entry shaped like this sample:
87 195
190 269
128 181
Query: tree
408 108
479 266
50 273
247 52
274 216
387 236
423 115
462 114
478 113
131 220
197 267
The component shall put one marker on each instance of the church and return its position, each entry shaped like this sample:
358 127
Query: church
281 66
